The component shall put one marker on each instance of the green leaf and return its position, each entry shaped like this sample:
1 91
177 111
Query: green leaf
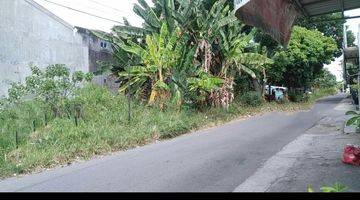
310 189
164 32
129 31
336 188
351 113
352 121
148 15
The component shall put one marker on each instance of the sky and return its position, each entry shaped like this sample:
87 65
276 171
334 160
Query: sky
117 9
111 9
336 66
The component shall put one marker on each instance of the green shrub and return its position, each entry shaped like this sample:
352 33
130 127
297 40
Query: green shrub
252 98
297 97
283 100
336 188
322 93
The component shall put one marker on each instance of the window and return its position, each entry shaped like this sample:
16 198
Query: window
103 44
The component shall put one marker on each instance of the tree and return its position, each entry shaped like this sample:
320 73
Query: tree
55 86
303 61
325 80
242 56
325 24
158 58
210 40
350 38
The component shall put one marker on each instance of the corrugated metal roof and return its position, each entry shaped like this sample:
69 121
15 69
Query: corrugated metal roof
313 8
275 17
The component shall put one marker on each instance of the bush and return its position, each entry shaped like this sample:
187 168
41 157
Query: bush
297 97
252 98
283 100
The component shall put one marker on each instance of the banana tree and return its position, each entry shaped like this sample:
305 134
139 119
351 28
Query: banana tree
202 86
238 59
210 22
175 13
159 56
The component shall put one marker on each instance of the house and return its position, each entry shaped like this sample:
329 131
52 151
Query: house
99 49
32 35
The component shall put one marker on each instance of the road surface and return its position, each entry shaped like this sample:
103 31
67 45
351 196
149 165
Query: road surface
213 160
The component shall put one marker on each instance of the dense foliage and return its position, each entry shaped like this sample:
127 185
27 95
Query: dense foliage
350 38
303 61
252 98
212 50
325 79
45 96
187 56
103 128
328 26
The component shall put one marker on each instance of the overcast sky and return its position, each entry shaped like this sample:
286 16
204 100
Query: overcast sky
117 9
111 9
336 66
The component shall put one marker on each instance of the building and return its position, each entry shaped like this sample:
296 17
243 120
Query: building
99 49
32 35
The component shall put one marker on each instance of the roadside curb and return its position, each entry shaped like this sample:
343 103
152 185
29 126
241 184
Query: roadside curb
276 167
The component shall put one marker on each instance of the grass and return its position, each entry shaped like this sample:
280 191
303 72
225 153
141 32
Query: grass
105 129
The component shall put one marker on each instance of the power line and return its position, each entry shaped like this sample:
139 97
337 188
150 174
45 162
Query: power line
95 7
80 11
87 6
107 6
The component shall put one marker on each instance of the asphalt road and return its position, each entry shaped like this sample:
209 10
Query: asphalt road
215 160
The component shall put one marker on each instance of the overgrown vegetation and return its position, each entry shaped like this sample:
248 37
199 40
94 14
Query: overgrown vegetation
212 51
252 99
103 128
336 188
191 65
45 96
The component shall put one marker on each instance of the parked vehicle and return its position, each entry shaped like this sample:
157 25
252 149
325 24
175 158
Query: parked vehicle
277 93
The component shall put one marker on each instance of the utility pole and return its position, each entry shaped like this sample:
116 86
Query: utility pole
343 51
358 82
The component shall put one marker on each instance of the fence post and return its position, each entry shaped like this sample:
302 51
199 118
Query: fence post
129 92
17 139
129 102
45 119
34 126
76 120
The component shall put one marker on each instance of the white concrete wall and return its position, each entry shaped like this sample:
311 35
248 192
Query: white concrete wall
31 34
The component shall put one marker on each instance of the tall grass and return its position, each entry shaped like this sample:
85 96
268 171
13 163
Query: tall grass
322 92
103 128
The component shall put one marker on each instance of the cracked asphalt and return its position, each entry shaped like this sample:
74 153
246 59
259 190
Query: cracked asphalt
214 160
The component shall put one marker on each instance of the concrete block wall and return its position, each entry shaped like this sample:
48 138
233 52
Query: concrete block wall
30 34
107 81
